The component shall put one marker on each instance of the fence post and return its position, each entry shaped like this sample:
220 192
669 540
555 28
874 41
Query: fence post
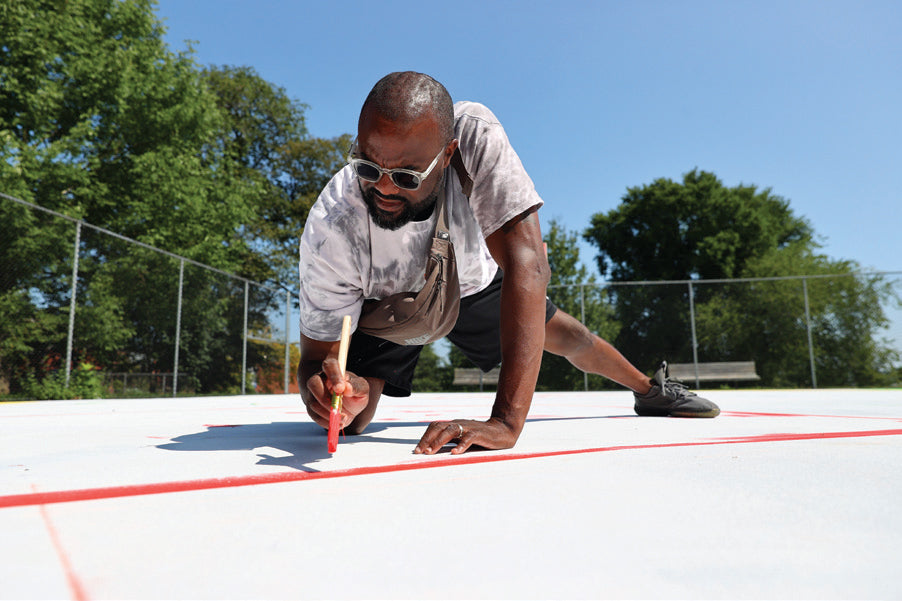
72 302
808 327
244 344
178 330
287 337
582 318
694 339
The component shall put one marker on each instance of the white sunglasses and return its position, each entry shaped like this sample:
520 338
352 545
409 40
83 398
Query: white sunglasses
406 179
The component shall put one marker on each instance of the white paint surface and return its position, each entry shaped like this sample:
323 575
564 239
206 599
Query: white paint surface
625 516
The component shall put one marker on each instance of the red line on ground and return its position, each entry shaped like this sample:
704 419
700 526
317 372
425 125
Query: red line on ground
761 414
75 587
92 494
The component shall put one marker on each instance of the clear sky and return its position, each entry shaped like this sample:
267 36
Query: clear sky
802 97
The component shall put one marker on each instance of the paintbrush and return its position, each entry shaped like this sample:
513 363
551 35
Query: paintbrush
335 413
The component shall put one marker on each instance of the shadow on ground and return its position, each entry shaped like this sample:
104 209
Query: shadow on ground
301 444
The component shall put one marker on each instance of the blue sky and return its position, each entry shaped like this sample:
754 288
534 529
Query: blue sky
802 97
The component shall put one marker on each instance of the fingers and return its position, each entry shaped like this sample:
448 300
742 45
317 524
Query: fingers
336 379
321 386
355 398
318 402
464 441
438 434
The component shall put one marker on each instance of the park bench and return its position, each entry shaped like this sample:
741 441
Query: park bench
717 371
475 377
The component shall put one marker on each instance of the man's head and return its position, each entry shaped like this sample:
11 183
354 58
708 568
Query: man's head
407 122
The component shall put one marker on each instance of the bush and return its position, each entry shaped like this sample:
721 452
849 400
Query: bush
85 382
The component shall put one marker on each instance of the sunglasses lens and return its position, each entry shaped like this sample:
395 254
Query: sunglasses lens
407 181
367 171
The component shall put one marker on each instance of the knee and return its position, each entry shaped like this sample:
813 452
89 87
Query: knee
566 336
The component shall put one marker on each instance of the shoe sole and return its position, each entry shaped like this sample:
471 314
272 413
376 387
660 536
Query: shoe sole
646 412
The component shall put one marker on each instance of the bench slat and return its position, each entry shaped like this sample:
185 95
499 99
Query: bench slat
707 372
717 370
470 376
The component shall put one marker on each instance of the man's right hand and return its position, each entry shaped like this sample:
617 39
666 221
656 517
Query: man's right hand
354 390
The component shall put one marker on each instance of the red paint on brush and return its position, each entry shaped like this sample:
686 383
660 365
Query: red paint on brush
334 427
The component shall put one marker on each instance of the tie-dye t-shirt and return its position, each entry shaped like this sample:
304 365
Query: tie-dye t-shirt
345 258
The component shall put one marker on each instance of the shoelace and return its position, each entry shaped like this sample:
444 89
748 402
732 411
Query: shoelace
677 389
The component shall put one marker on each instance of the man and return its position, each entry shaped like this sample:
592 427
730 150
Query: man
368 236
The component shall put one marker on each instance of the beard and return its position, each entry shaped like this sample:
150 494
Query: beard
409 211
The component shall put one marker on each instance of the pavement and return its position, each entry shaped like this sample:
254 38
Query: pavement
787 494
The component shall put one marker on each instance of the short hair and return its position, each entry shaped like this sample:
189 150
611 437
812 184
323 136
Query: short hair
408 96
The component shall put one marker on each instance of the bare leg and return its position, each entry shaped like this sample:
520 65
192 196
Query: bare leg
567 337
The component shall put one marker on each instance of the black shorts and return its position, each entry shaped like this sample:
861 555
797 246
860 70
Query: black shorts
477 334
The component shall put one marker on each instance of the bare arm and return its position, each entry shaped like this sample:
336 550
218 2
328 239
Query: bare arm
518 250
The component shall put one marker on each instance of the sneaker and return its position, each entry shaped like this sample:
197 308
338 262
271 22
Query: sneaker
670 397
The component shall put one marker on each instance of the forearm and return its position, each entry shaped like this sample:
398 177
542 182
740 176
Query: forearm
522 341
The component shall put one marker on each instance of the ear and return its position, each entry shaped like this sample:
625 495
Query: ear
449 152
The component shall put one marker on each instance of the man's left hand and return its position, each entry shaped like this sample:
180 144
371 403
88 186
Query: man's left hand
492 434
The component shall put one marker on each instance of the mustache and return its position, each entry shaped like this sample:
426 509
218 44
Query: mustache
376 192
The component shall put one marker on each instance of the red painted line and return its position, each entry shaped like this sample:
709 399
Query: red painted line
110 492
75 587
761 414
809 436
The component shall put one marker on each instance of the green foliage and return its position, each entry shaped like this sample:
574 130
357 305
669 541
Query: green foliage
100 121
85 382
701 229
766 320
265 137
433 374
698 228
573 290
308 164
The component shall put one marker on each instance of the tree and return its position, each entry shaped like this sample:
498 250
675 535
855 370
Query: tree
698 228
433 373
309 164
575 291
766 320
100 121
701 230
266 137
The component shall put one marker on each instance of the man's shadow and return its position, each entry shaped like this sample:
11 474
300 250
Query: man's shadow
304 443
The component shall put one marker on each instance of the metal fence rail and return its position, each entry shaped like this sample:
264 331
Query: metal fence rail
83 246
175 318
795 291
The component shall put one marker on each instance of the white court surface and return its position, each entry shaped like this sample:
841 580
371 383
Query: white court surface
788 494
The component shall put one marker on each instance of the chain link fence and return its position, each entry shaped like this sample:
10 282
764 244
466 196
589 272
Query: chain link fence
83 310
820 330
81 306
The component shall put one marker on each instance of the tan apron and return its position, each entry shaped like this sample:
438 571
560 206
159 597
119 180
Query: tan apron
417 318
